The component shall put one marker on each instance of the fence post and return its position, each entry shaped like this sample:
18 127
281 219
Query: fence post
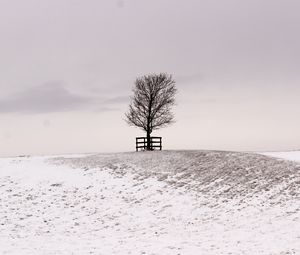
136 144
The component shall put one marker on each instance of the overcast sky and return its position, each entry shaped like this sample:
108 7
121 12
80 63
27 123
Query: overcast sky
68 67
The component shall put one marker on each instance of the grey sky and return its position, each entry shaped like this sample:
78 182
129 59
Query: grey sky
66 62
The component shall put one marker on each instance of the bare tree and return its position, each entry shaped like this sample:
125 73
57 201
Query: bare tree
150 107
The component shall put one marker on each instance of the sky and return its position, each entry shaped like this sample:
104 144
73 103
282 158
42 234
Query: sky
68 68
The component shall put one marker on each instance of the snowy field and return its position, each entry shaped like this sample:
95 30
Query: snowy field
287 155
171 202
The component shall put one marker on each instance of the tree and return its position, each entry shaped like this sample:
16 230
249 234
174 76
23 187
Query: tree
151 104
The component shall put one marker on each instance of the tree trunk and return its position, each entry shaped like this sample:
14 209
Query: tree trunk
148 141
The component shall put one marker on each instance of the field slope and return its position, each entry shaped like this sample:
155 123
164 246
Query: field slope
170 202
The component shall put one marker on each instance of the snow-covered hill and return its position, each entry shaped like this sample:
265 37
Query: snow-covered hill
171 202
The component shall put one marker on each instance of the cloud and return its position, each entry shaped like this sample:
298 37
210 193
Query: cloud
50 97
120 3
188 79
55 97
118 100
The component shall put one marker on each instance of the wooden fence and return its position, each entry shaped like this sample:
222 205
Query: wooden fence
155 143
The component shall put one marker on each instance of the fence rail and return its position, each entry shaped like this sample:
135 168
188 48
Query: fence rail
155 143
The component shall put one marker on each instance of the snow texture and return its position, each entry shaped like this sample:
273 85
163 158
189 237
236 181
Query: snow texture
170 202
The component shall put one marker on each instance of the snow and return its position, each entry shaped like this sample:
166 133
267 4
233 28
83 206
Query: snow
288 155
150 203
